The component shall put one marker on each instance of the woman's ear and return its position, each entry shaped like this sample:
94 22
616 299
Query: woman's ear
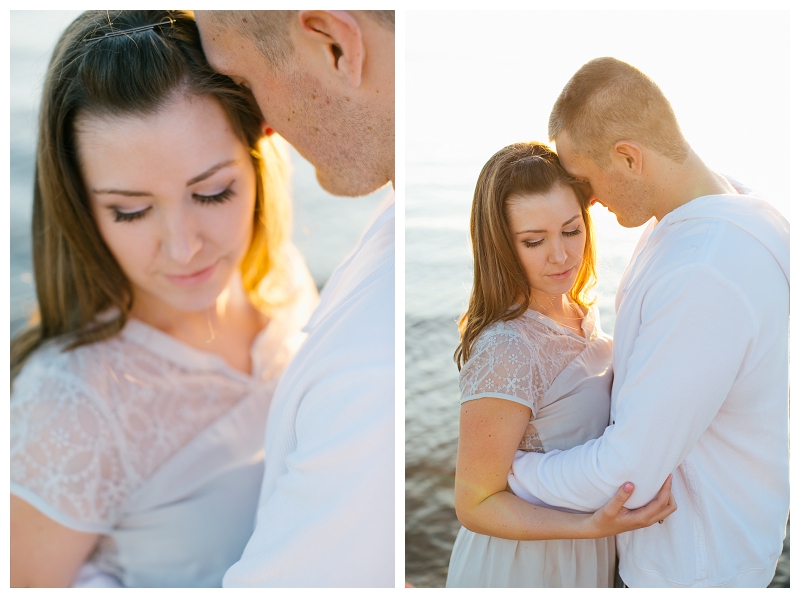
339 38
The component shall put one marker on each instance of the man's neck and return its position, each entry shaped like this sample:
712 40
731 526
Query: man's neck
681 183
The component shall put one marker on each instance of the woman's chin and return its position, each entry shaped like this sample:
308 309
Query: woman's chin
177 302
556 288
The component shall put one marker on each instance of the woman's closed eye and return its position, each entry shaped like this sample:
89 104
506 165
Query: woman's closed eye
120 216
215 199
566 233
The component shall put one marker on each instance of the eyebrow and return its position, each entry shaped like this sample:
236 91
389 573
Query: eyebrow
200 177
522 232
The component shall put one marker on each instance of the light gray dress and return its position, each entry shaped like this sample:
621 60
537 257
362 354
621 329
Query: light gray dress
152 444
566 381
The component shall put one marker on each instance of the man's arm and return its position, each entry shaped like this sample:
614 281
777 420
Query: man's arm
685 359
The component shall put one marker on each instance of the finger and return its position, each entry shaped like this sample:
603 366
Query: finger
657 508
665 492
668 510
620 498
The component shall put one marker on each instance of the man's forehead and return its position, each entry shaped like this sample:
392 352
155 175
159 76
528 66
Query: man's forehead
570 160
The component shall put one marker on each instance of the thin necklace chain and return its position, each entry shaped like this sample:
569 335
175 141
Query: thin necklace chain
572 305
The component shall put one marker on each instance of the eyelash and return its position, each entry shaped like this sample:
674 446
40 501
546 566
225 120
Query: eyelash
218 198
201 199
568 233
128 217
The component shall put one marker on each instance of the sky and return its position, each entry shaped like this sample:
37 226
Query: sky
479 80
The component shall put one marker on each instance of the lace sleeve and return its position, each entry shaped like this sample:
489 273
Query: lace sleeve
503 366
65 452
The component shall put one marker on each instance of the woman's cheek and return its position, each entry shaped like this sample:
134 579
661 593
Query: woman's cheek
580 243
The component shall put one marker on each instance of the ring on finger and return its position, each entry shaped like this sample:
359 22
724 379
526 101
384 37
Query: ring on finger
661 521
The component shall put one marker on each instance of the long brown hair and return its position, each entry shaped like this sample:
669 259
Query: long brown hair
135 73
499 279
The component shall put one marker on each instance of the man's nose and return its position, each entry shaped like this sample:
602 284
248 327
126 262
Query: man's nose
182 239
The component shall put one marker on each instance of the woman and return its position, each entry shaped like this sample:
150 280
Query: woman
170 300
535 375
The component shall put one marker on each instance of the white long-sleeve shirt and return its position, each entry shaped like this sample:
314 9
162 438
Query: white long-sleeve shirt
701 391
326 509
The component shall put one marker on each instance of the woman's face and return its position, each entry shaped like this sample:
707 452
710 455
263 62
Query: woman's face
549 236
173 195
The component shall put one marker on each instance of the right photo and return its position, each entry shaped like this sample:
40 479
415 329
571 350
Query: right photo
597 298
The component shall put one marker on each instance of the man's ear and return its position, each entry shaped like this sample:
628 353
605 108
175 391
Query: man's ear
629 155
339 37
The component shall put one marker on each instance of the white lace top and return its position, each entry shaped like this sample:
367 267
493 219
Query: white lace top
565 379
113 437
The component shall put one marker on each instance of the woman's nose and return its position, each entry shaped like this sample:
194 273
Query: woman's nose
558 254
182 240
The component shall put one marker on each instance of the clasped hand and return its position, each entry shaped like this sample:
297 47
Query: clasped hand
613 518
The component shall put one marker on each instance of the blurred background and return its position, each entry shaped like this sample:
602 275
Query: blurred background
477 81
325 227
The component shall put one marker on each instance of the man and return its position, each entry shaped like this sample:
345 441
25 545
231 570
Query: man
325 81
700 346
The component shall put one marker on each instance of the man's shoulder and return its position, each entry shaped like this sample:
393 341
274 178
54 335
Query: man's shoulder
366 277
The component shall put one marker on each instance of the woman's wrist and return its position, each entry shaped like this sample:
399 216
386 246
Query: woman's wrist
589 527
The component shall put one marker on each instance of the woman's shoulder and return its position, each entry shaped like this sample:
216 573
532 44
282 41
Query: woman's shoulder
498 342
66 445
502 330
503 364
59 365
56 359
519 331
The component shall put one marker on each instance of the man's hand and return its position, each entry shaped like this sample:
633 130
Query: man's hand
613 518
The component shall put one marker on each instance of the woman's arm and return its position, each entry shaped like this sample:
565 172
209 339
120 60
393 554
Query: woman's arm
490 432
44 553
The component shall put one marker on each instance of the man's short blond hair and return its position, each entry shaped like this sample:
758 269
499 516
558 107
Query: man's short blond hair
609 100
268 30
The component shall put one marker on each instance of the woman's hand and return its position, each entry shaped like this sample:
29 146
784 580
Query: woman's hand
613 518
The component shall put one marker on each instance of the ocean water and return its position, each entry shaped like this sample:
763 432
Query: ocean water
325 227
438 282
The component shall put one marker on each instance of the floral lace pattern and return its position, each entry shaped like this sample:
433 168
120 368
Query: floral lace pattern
89 425
518 360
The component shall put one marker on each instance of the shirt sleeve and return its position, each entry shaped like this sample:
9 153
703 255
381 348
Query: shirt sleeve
503 366
685 360
328 520
65 457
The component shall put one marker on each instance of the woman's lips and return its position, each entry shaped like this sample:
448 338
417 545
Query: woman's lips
561 275
187 280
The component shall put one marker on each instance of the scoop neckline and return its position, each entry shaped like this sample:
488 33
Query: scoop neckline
181 353
587 323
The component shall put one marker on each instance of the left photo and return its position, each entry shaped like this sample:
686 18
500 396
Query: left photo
202 299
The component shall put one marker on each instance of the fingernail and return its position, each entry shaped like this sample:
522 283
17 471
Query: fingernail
628 487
